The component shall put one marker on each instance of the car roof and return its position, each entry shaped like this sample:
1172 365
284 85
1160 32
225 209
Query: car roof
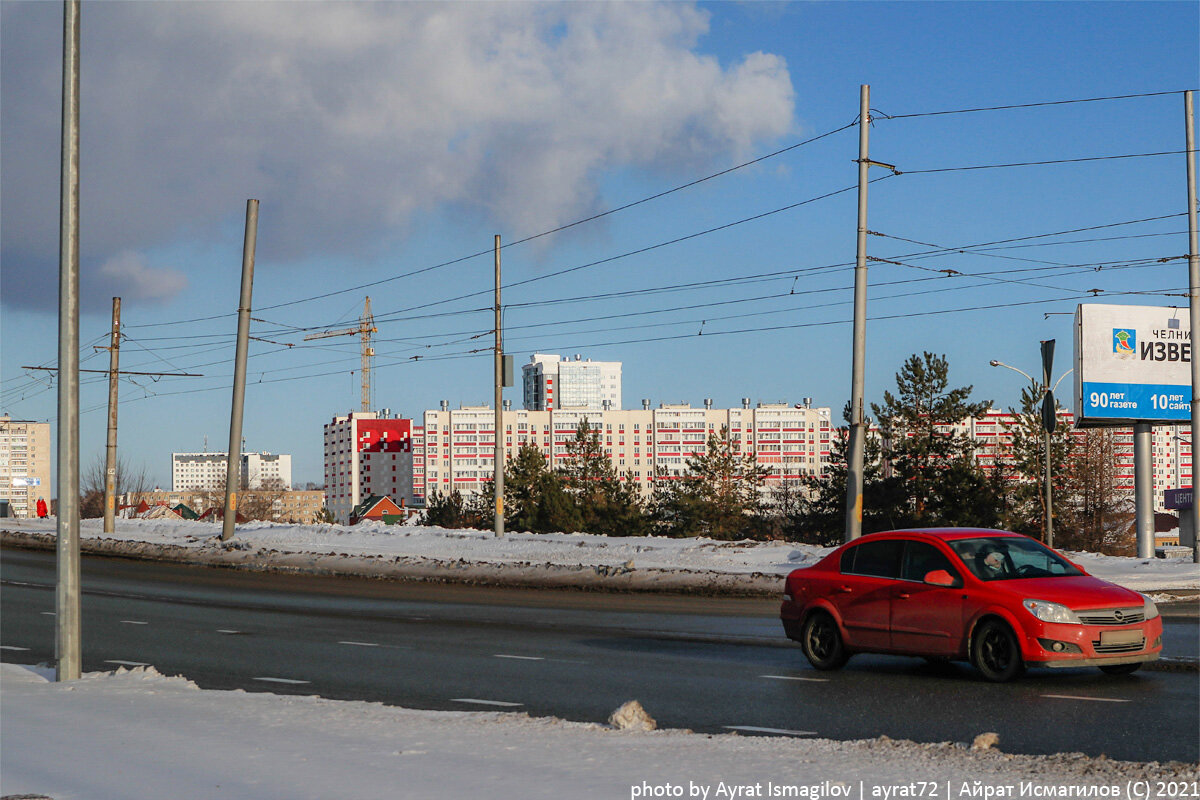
949 534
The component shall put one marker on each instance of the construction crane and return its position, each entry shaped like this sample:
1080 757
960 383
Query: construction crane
366 326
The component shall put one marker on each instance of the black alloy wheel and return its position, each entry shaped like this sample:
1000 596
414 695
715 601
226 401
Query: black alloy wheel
822 642
995 652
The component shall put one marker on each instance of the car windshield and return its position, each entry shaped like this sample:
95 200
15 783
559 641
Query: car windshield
1000 558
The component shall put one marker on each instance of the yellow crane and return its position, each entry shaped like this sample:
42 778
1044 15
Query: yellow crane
366 326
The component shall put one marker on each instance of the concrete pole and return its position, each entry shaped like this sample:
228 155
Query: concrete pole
67 647
1143 487
1049 503
858 426
1193 302
110 450
499 399
233 469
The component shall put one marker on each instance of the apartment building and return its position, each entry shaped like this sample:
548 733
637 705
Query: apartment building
551 382
25 459
208 471
372 454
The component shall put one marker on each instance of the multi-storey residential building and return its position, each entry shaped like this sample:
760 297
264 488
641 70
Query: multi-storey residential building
790 441
25 459
368 453
208 471
551 383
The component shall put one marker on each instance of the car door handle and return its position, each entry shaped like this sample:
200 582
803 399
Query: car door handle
903 596
847 589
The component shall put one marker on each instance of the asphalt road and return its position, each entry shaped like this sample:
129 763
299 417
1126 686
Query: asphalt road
711 665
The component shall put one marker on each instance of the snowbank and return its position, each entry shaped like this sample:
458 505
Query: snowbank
559 559
137 735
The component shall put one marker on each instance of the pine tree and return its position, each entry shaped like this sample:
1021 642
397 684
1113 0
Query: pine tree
719 495
608 504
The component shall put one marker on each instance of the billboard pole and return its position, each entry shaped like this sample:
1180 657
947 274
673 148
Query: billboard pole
1193 301
1143 487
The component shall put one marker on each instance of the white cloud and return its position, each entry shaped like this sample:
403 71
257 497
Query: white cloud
127 274
346 118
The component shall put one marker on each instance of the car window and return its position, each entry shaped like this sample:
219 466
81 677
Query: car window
921 558
880 559
1018 557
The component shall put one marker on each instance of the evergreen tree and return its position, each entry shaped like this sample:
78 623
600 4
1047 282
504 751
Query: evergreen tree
929 471
452 510
608 504
718 496
1026 511
535 499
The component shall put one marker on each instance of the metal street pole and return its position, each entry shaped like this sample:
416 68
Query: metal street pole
67 629
858 427
1143 487
1193 303
499 397
1049 420
234 456
110 450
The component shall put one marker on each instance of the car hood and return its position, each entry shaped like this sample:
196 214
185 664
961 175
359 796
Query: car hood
1079 592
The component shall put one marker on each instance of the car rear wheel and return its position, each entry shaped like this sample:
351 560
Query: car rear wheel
1121 669
822 642
995 652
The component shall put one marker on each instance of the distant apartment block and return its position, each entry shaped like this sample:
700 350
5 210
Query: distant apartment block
552 383
371 454
25 459
207 471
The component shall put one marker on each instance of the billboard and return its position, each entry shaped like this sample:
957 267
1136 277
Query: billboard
1132 364
26 481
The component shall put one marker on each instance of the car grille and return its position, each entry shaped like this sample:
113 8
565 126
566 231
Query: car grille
1129 647
1112 616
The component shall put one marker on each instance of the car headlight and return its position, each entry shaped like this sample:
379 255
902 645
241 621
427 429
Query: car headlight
1150 610
1051 612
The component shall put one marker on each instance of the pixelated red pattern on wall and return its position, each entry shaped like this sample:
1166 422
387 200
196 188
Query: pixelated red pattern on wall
385 436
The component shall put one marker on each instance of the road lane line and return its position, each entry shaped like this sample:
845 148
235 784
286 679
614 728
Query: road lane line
483 702
794 678
361 644
121 663
282 680
12 647
780 731
228 632
519 658
49 614
133 622
1083 697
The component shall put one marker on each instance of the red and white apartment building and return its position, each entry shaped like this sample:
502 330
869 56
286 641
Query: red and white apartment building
372 454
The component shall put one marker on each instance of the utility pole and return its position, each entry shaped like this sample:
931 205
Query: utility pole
1049 421
858 425
110 450
233 467
1193 303
67 648
499 399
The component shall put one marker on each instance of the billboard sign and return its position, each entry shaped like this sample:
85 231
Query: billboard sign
1132 364
26 481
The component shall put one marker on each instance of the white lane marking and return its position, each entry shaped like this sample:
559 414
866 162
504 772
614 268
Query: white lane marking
121 663
133 622
49 614
519 658
781 731
11 647
483 702
1082 697
794 678
361 644
281 680
227 632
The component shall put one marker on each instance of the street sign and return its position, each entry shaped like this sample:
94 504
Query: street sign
1132 364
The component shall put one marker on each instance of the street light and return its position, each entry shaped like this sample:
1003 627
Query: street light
1048 422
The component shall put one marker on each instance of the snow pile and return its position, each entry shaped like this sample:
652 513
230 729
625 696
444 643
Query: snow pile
568 559
136 735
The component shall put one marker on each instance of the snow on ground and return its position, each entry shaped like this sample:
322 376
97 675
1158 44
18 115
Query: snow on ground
134 735
570 558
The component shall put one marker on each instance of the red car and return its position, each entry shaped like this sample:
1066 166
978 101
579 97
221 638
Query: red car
1001 600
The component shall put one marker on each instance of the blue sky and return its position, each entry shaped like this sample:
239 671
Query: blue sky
383 139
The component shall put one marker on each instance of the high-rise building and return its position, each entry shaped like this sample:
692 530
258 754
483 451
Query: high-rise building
208 471
368 454
552 383
25 459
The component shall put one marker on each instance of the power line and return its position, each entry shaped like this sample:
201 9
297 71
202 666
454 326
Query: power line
1041 163
1025 105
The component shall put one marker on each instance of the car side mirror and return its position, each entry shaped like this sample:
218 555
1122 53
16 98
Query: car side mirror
940 577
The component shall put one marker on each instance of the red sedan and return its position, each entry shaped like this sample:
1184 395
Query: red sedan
999 599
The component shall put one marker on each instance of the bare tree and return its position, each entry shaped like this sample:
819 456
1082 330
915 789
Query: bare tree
1094 512
129 480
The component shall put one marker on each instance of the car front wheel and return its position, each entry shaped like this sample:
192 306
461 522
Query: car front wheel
995 652
822 642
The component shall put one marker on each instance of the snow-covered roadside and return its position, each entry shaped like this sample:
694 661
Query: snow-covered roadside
137 734
559 559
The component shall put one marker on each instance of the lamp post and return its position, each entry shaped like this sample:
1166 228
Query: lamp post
1047 393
